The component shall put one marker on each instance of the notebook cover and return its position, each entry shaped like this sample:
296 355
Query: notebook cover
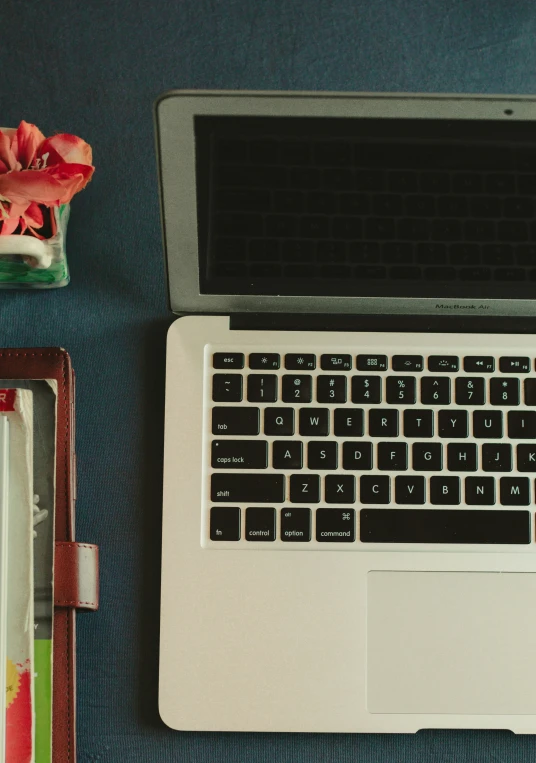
54 363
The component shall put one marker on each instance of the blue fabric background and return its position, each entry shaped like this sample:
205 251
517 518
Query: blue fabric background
94 68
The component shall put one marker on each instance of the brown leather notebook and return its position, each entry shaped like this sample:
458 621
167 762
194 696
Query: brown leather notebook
76 578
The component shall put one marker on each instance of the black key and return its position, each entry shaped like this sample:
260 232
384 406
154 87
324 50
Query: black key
335 525
315 227
228 360
229 420
278 421
297 389
512 230
398 253
470 391
513 365
227 388
287 454
487 424
445 526
261 360
418 423
331 389
371 363
408 363
498 254
401 390
435 390
530 392
413 229
393 456
430 254
286 201
504 391
526 458
262 388
260 523
366 389
239 454
247 488
225 523
294 362
427 457
354 204
420 206
410 489
462 458
378 228
347 227
324 203
374 489
304 488
296 525
357 456
445 491
453 423
279 226
443 363
497 457
522 425
236 224
340 488
479 491
335 362
348 422
369 251
478 364
383 422
515 491
314 422
322 455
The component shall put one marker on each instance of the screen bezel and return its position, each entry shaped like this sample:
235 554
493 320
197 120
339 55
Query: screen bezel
175 126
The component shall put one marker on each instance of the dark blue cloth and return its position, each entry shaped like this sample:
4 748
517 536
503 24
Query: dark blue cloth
94 68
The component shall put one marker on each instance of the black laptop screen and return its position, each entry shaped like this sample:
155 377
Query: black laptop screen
366 207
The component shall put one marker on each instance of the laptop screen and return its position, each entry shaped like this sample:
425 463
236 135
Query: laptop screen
366 207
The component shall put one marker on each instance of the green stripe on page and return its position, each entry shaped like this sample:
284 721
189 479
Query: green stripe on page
43 700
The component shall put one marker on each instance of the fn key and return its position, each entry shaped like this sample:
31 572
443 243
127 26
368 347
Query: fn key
225 523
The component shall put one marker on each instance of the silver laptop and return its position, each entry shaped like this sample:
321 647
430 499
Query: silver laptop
350 445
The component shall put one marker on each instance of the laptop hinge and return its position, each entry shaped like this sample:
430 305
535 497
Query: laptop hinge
392 323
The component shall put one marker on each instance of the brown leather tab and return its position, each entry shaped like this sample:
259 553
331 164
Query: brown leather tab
76 575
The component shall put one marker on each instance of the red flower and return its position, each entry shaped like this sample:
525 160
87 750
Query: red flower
36 171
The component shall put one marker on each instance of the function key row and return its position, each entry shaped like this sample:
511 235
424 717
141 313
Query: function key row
344 362
382 422
399 390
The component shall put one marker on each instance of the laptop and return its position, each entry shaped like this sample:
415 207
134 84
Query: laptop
350 427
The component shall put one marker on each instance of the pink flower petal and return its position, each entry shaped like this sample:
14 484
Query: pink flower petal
7 157
31 185
33 215
66 148
25 143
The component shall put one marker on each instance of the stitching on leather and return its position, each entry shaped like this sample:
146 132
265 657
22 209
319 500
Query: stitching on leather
67 544
64 603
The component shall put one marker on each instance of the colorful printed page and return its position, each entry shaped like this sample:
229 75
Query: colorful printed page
16 404
44 392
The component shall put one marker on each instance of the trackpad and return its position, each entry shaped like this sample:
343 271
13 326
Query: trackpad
451 642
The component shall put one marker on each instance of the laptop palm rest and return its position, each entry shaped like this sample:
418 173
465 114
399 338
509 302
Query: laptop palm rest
451 642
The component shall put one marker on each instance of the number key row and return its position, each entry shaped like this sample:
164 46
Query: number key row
367 390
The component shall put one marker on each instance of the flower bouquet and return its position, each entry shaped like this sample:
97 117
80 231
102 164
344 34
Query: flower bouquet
38 178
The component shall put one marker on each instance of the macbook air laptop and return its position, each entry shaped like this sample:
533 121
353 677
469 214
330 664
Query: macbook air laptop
350 431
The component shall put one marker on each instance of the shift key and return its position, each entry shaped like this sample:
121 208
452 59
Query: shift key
235 420
247 488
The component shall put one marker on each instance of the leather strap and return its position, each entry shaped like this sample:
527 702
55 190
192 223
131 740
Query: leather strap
76 575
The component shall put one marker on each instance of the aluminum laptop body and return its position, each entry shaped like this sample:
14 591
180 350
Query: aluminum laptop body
348 518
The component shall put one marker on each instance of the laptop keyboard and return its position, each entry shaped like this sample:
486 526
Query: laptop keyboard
374 210
322 448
